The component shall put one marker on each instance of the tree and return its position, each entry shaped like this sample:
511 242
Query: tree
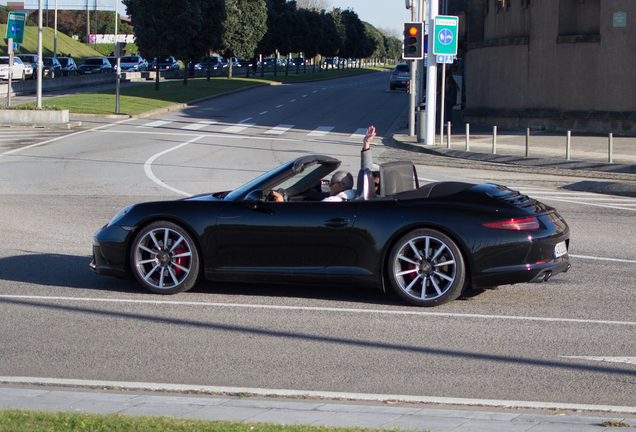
280 18
376 40
333 34
245 26
356 43
393 48
309 26
187 29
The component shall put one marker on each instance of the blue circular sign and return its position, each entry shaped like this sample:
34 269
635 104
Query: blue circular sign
445 36
15 28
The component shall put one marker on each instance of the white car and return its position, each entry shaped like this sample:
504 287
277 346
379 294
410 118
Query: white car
18 71
132 64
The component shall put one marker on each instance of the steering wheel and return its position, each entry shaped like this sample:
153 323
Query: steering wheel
281 191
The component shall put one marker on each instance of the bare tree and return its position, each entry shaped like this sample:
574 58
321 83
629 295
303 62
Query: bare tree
390 32
316 5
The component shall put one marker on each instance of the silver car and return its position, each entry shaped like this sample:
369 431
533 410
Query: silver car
400 76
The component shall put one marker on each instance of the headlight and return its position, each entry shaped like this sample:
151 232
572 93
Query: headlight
120 214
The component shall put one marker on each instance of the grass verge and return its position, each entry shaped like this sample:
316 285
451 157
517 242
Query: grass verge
39 421
140 98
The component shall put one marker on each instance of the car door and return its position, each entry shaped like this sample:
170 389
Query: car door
281 237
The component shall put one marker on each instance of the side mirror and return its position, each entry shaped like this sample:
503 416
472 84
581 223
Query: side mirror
254 198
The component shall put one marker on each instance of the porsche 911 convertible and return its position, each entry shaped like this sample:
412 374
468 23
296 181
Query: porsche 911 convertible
428 243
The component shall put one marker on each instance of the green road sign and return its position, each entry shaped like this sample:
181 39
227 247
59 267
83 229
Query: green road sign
445 35
15 27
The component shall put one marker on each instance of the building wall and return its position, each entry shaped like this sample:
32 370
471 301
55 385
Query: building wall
552 56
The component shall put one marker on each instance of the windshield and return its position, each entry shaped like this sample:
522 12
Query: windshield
26 58
48 61
93 61
63 61
4 61
165 60
129 59
402 68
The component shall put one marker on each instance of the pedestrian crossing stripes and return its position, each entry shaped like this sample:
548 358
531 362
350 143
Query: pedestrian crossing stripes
198 125
156 123
238 128
321 131
280 129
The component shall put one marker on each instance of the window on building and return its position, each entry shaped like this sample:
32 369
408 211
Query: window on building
579 17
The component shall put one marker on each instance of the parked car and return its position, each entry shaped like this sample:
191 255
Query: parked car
94 65
17 71
165 64
428 243
245 63
69 67
132 64
214 62
30 59
400 76
51 67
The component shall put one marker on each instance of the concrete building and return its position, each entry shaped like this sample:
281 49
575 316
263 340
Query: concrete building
552 65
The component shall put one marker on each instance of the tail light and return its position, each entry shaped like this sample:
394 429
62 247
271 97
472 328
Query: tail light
524 224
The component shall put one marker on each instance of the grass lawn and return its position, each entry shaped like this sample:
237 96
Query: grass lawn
38 421
141 98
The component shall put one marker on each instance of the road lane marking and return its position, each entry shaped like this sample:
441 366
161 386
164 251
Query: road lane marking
626 360
324 309
280 129
603 259
198 125
98 128
223 390
321 131
264 112
245 120
278 106
153 177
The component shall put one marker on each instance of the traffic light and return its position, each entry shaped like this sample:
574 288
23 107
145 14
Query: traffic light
413 41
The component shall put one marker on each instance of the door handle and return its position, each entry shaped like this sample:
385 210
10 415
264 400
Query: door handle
337 223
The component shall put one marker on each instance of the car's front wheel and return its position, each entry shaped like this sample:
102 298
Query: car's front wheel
164 258
426 268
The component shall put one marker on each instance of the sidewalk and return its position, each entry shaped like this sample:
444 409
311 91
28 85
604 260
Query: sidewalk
315 412
547 151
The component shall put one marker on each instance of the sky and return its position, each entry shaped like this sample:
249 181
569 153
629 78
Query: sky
385 14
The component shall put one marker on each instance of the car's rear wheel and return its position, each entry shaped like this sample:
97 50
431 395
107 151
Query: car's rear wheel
426 268
392 87
164 258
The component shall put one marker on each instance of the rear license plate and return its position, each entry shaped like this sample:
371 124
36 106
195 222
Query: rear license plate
88 71
560 249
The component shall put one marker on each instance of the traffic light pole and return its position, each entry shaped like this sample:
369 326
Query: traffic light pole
413 85
421 114
431 77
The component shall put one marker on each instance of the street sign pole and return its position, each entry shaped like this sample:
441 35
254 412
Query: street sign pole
431 77
38 94
10 52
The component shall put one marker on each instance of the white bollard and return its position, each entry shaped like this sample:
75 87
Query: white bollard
568 139
494 140
610 150
467 137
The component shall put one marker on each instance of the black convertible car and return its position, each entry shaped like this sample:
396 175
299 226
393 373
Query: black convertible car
428 243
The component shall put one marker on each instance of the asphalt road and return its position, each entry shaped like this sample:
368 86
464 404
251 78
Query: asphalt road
570 340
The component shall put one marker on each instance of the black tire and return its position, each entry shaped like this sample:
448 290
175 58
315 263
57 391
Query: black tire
392 86
426 268
165 270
